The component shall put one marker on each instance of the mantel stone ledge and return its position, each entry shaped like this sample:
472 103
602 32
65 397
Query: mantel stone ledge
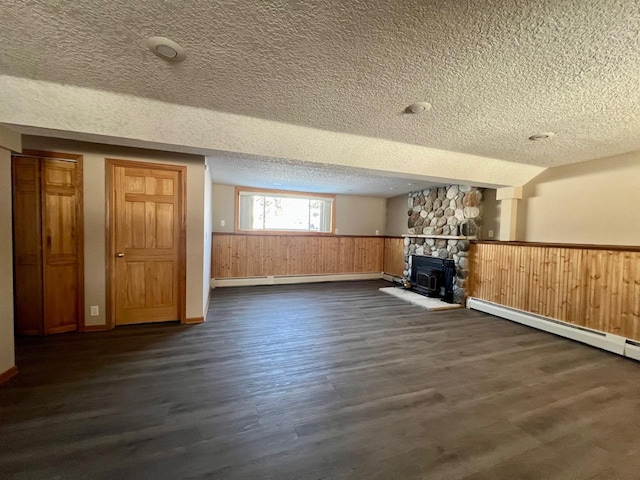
441 237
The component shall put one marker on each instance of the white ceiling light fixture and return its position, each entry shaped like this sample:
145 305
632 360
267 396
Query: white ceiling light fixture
166 49
418 108
541 136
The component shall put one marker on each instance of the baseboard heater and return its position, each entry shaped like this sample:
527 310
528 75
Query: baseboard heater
292 279
605 341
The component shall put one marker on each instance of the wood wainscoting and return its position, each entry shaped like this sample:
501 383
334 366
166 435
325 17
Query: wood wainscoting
246 256
596 287
394 256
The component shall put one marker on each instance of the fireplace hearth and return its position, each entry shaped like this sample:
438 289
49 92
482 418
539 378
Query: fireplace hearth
433 277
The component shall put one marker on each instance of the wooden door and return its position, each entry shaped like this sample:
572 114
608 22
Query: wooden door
48 243
27 252
146 217
61 248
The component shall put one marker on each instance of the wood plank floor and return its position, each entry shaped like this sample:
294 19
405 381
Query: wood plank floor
320 381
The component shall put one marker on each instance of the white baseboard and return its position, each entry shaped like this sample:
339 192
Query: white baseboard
605 341
253 281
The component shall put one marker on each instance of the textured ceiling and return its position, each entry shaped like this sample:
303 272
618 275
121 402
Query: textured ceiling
495 71
284 174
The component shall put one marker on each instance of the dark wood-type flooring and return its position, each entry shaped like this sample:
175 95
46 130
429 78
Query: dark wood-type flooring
320 381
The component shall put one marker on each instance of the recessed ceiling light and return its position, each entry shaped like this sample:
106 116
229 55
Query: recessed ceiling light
391 188
166 49
418 107
541 136
409 184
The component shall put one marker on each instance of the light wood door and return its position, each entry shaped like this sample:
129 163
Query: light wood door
146 243
48 243
60 246
27 251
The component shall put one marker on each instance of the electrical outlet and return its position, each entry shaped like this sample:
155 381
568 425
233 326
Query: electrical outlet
222 222
377 232
336 231
95 310
490 233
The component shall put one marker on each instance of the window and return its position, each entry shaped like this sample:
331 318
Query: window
276 211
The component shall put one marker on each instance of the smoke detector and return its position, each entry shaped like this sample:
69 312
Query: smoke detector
166 49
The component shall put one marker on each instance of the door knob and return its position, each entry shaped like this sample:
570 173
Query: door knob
120 254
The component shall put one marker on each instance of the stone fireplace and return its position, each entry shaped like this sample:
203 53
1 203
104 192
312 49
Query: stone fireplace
441 221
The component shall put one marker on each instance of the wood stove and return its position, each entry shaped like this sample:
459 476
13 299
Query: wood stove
433 277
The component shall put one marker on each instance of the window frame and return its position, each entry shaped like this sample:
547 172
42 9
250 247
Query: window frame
288 193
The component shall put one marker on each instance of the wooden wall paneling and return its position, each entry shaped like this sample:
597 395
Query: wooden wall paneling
393 262
616 282
280 264
377 258
346 260
239 257
330 255
368 251
360 257
253 255
632 302
243 256
289 254
593 288
630 276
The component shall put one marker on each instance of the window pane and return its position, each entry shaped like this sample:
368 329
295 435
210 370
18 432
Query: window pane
246 213
315 215
263 211
286 213
258 213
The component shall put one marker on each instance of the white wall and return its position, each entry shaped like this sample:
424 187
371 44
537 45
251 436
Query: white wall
594 202
7 356
397 216
360 215
355 215
224 200
95 218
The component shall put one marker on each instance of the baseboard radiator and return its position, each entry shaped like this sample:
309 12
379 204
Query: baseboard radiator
292 279
605 341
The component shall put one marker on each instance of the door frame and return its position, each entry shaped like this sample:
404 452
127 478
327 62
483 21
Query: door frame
78 159
110 164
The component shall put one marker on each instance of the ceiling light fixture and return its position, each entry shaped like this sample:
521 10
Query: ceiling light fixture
418 108
541 136
166 49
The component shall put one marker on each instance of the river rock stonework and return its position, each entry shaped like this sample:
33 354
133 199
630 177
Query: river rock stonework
453 210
